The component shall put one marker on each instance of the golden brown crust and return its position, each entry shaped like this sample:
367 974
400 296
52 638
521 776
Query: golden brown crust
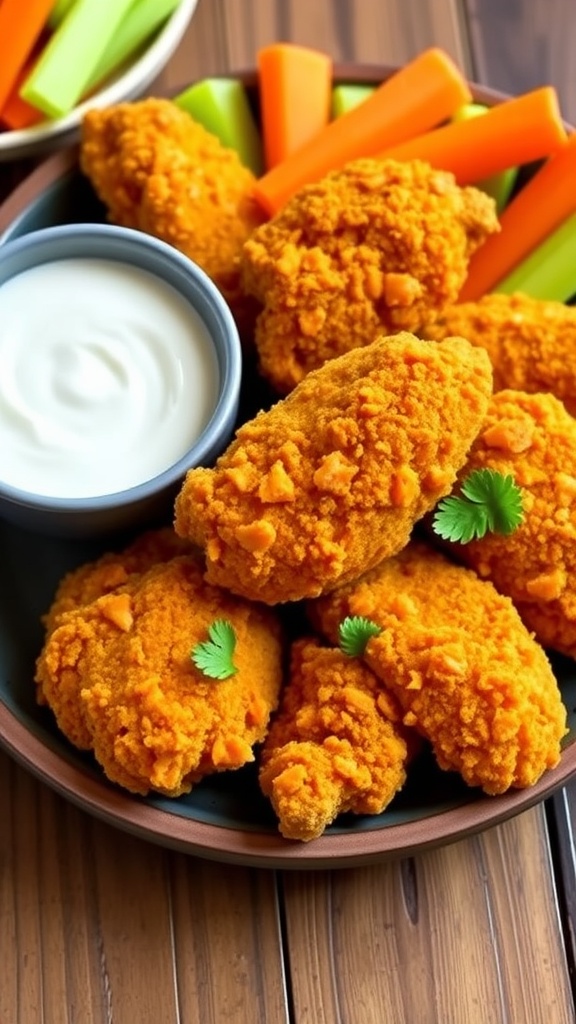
457 657
119 678
336 744
531 342
331 480
371 249
532 438
159 171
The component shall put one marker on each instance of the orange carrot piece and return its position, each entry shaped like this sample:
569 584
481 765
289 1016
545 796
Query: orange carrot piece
16 112
20 26
295 85
514 132
421 95
544 203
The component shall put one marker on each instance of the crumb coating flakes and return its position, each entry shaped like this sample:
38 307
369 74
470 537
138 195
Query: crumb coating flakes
118 676
330 480
533 438
335 745
159 171
531 342
372 248
457 657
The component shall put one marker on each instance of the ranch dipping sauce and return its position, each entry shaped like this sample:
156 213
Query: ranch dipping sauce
107 376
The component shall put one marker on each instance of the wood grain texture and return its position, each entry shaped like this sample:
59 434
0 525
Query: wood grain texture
226 34
519 45
439 939
97 926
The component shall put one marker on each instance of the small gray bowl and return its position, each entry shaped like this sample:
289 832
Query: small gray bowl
141 503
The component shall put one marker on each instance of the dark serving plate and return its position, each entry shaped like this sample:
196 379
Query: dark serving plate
225 818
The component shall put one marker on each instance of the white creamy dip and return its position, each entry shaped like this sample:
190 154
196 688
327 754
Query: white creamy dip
107 376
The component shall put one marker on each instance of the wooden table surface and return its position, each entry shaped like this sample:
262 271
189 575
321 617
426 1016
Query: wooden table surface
97 926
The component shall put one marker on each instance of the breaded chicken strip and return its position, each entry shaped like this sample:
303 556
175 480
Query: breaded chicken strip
373 248
532 438
118 675
331 479
93 579
465 670
335 745
157 170
531 342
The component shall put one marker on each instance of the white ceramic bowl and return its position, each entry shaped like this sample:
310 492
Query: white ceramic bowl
132 81
190 405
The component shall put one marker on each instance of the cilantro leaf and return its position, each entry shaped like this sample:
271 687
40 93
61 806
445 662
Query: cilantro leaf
214 656
489 502
354 632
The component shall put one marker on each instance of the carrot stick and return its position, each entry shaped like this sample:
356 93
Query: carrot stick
499 185
540 207
549 272
422 94
514 132
20 26
295 86
16 112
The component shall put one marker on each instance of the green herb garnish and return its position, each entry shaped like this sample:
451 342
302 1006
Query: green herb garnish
354 632
490 502
214 656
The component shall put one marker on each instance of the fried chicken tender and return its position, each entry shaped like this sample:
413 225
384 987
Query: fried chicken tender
532 438
372 248
159 171
335 745
93 579
331 479
467 673
531 342
118 675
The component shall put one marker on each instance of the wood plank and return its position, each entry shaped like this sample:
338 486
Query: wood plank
368 953
96 925
226 34
518 45
227 943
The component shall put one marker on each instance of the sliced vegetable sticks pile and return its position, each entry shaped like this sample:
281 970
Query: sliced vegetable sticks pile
55 52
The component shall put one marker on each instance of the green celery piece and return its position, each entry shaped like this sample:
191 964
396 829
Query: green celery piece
59 12
59 78
549 272
345 97
143 19
221 106
499 185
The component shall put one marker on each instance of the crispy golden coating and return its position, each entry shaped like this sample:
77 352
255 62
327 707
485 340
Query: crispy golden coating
332 478
531 342
532 438
93 579
157 170
335 745
457 657
372 248
118 676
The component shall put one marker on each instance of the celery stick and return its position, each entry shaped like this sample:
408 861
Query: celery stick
549 272
221 106
143 19
59 78
345 97
59 12
500 185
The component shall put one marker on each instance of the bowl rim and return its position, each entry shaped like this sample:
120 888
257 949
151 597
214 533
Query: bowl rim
134 77
118 242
